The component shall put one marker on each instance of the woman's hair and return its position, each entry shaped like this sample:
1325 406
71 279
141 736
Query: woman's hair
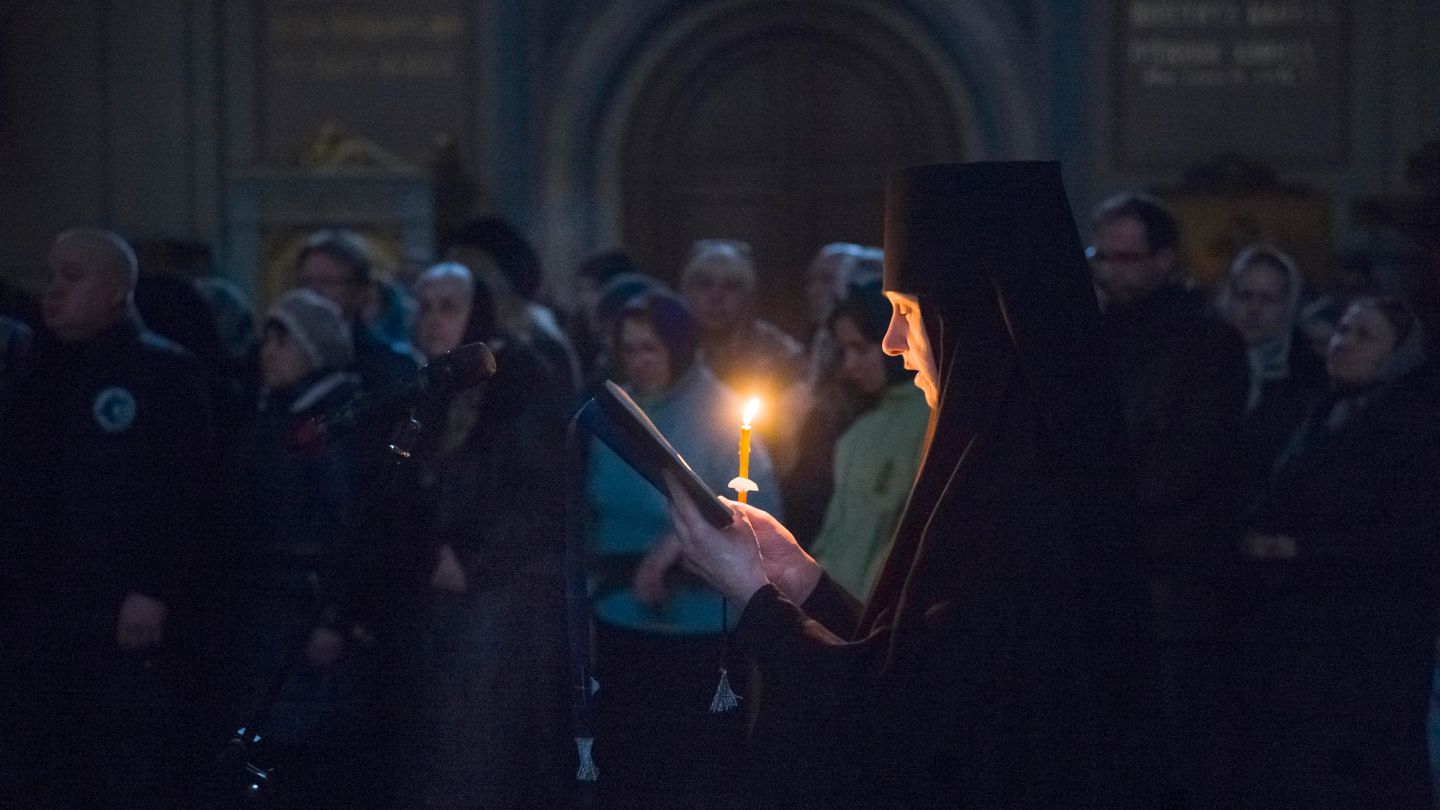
1409 351
868 308
674 324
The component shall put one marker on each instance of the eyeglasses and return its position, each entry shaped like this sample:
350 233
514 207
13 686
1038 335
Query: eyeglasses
1119 257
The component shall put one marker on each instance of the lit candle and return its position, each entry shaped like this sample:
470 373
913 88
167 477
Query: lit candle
751 408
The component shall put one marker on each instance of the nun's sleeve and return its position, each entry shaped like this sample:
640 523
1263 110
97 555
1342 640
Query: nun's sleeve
833 606
795 649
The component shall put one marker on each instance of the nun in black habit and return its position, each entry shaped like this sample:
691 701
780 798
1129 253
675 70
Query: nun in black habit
1001 659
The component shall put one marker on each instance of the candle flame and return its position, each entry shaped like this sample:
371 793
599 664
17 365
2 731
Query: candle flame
751 408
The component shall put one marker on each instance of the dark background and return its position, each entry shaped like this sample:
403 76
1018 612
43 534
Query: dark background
654 122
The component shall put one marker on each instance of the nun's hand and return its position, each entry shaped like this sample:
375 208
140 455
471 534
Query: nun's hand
787 565
729 558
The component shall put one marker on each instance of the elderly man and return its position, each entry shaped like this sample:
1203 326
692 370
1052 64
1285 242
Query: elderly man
107 447
746 353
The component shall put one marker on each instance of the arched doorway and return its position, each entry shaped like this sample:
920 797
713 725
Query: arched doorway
776 124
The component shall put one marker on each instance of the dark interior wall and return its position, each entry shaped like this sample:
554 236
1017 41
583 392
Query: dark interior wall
107 115
53 134
133 115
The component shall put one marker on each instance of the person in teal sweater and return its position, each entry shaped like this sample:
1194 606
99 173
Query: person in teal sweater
659 629
876 458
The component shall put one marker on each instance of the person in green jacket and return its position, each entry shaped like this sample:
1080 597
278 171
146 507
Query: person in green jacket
876 458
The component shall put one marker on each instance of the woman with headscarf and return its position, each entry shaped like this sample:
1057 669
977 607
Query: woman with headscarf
1331 656
298 506
1261 299
468 594
999 659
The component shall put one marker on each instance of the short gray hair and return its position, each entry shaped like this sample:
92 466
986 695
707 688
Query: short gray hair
116 253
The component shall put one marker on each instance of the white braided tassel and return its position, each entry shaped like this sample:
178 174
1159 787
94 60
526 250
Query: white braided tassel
725 698
588 772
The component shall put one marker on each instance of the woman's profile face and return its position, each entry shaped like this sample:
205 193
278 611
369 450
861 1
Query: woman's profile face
644 358
444 311
907 338
1360 346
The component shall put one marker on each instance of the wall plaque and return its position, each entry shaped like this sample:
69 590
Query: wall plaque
1264 78
397 73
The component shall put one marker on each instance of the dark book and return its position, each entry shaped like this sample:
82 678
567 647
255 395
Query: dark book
614 418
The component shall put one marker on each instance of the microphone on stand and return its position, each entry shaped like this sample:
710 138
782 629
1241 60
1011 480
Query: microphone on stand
446 375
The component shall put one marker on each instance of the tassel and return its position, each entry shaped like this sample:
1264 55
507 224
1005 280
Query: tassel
725 697
588 772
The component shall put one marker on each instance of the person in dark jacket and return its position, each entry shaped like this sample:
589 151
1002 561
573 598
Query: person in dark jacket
997 661
468 594
108 446
301 502
1183 378
1331 651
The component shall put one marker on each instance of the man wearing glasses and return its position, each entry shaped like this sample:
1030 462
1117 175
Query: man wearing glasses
1183 375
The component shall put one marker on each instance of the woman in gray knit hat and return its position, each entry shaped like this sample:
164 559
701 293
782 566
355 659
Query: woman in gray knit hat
299 503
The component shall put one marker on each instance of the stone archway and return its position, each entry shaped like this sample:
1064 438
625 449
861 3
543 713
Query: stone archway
776 125
969 67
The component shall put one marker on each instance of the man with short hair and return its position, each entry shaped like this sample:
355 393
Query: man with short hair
338 265
1183 378
107 448
1183 372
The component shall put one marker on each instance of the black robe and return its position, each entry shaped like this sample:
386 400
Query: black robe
1001 660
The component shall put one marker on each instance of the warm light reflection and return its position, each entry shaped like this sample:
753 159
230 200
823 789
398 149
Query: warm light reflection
751 409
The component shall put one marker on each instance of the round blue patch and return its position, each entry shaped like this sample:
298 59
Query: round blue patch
114 409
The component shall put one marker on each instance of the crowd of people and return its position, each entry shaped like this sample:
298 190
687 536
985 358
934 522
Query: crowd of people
184 558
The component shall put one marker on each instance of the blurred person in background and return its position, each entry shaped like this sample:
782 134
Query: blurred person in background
1261 299
1182 376
1331 655
108 447
610 301
820 402
590 278
300 505
461 578
877 457
338 264
746 353
504 260
659 630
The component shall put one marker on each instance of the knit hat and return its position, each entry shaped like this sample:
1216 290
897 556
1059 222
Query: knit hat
317 325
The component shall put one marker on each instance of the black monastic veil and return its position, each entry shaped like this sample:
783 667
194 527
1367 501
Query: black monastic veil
1001 658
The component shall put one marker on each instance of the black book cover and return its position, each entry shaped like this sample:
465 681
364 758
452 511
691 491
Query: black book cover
614 418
